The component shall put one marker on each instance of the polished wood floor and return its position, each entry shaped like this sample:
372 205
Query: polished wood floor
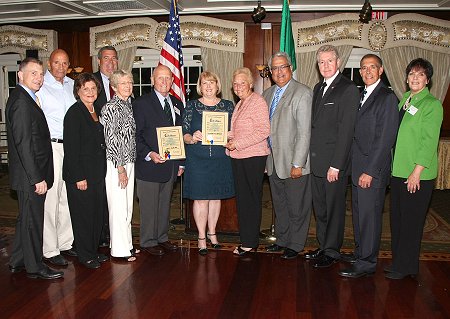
183 284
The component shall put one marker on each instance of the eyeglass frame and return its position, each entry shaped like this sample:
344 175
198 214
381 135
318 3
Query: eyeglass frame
279 68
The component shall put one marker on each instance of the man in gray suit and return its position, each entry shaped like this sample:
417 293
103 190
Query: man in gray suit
375 133
288 164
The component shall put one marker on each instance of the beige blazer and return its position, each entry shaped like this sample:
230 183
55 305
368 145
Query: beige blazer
290 129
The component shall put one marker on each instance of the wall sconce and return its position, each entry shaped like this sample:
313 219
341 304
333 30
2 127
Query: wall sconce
263 70
74 72
365 15
259 13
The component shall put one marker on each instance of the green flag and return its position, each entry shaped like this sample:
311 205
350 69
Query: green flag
287 43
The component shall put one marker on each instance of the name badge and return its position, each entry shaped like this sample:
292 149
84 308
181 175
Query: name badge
412 110
177 110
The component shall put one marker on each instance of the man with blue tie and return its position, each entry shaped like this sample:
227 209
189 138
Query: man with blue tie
375 134
155 175
288 164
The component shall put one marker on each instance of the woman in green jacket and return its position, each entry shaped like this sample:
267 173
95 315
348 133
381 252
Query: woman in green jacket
414 168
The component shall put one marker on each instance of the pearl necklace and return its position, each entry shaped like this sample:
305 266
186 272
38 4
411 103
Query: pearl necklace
93 110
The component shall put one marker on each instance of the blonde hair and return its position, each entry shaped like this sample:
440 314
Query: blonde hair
208 76
246 72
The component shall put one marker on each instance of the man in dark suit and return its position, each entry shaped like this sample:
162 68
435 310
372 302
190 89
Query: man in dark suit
374 137
155 175
288 164
335 103
31 169
108 62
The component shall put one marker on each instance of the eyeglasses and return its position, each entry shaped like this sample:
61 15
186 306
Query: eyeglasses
279 68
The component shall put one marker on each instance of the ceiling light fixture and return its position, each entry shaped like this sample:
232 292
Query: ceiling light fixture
365 15
259 13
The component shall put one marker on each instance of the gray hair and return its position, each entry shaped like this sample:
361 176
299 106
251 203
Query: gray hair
279 55
106 48
117 75
327 48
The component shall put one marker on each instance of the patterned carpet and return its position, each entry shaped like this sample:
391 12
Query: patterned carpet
435 243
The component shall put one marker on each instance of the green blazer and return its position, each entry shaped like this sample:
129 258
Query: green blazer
418 136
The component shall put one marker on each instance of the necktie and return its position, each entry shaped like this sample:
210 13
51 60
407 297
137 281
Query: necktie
37 101
168 111
111 92
362 99
275 101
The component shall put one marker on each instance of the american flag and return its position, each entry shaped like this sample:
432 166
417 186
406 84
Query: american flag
172 55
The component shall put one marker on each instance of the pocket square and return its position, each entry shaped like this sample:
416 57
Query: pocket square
328 104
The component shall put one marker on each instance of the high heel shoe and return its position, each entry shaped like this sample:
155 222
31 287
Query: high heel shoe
214 245
239 251
202 250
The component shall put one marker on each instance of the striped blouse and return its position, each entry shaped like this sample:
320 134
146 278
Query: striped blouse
120 131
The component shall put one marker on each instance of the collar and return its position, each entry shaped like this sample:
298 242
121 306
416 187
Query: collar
50 79
369 89
161 98
330 80
283 88
30 92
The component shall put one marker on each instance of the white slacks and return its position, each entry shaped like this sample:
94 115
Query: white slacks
58 233
120 206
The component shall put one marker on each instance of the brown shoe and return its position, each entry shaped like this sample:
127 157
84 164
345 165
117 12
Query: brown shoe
168 246
155 250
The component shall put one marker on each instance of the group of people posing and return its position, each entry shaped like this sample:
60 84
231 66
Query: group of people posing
92 140
309 142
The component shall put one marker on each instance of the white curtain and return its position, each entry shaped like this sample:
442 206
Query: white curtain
396 60
222 63
307 70
126 58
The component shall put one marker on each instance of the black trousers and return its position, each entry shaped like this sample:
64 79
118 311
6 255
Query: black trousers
27 246
329 208
408 213
248 180
86 212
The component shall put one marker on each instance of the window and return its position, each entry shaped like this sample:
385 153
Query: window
147 60
351 70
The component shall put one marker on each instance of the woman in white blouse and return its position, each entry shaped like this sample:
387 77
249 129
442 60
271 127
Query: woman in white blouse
120 130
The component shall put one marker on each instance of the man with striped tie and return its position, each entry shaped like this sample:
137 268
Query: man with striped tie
288 164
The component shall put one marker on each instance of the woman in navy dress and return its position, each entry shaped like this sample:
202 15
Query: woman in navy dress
208 177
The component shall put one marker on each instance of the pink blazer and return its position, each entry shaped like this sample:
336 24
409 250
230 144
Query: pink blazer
250 127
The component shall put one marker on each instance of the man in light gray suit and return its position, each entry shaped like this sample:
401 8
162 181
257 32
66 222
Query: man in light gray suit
288 165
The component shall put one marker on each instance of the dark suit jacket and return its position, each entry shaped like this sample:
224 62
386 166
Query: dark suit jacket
332 126
84 146
148 115
30 155
375 134
101 98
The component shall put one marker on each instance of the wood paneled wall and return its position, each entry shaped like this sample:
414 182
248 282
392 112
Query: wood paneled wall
73 37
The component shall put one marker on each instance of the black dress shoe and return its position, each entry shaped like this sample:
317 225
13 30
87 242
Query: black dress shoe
274 248
155 250
57 260
324 261
101 258
16 269
388 268
348 258
46 273
313 254
167 245
239 251
91 264
69 252
397 275
289 254
353 273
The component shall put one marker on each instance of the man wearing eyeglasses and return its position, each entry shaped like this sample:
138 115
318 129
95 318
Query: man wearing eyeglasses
288 164
335 104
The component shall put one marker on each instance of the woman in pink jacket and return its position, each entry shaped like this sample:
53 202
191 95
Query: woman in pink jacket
248 148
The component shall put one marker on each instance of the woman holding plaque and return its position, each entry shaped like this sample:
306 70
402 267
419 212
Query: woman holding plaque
208 177
84 170
120 137
248 148
414 168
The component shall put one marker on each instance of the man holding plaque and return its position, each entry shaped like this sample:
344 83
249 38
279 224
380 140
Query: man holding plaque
155 174
288 164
